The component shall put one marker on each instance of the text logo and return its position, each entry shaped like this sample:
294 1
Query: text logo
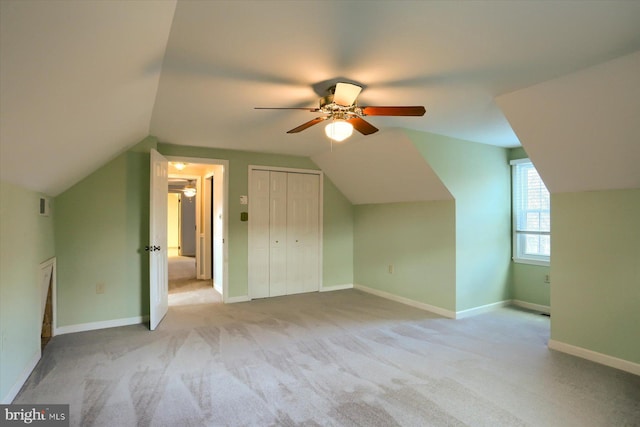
34 415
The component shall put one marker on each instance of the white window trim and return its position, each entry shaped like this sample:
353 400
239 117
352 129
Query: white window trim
516 256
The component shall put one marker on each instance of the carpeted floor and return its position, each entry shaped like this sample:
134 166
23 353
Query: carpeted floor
191 291
181 267
341 358
184 288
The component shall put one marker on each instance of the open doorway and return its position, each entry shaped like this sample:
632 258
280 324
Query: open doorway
196 226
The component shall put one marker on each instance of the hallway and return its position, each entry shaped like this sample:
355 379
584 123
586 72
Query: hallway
185 288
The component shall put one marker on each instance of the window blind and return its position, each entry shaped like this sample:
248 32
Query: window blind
532 213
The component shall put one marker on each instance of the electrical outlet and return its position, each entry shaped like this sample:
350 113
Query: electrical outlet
390 268
547 278
100 288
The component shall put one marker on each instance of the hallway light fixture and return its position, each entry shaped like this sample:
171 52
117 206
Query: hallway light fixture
189 190
179 165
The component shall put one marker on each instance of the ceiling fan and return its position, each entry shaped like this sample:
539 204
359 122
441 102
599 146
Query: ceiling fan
344 114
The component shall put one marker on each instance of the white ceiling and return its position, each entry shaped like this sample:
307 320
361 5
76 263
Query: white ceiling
74 90
82 81
567 141
367 170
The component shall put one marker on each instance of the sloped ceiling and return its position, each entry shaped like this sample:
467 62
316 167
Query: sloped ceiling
582 131
82 81
75 90
383 168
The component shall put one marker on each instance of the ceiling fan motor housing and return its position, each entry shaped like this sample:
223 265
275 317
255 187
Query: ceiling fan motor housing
336 111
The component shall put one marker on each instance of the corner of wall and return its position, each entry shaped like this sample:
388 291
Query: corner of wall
478 177
27 240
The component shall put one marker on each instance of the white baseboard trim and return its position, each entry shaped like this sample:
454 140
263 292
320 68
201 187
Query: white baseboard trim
24 375
83 327
594 356
481 309
233 300
531 306
432 308
336 287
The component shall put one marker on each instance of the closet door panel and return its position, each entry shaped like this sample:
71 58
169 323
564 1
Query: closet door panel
278 234
303 228
259 242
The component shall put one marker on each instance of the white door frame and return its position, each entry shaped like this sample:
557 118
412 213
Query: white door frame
225 212
320 212
199 227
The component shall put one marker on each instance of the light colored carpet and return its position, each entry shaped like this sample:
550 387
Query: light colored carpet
181 267
191 291
184 288
342 358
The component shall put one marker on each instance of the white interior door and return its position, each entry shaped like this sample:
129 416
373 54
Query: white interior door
158 278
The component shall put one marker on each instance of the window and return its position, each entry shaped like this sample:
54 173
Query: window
531 215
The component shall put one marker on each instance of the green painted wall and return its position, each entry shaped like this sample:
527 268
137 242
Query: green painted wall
517 153
478 177
595 271
528 283
338 237
102 227
418 239
27 240
338 214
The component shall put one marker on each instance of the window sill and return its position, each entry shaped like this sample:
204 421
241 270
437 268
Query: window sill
538 262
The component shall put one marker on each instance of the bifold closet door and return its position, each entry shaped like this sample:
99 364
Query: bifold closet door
302 233
284 237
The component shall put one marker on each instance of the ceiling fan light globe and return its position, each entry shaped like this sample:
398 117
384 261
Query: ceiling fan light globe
338 130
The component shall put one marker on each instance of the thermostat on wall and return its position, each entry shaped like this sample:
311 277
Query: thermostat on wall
244 200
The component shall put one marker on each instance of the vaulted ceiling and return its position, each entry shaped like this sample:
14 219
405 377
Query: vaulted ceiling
83 81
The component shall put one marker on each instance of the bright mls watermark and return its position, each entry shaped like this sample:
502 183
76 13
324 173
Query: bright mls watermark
34 415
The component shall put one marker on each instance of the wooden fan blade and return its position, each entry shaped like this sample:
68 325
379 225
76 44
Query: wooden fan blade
307 125
362 126
394 111
287 108
346 94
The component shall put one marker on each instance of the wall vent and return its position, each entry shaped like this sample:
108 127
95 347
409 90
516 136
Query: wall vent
44 206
